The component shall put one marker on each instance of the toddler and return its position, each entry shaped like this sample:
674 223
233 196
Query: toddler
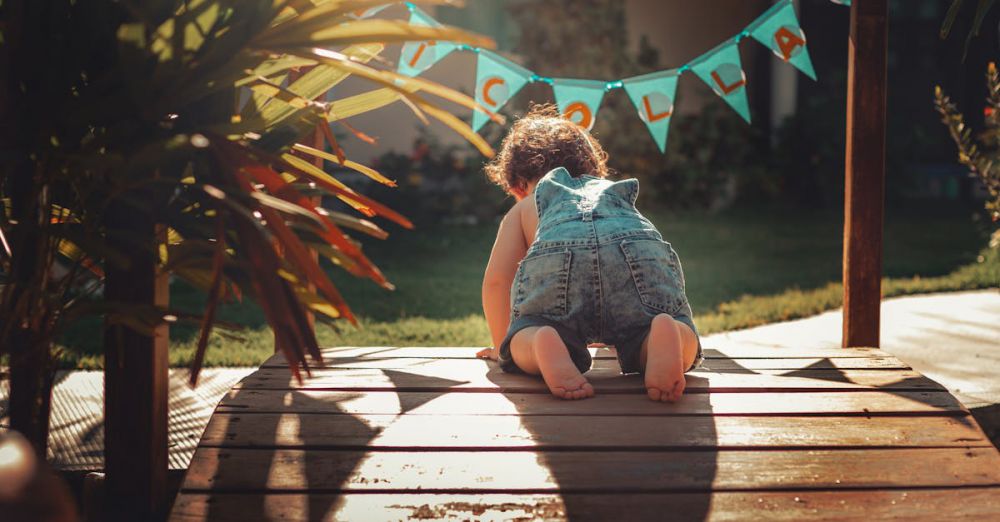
575 263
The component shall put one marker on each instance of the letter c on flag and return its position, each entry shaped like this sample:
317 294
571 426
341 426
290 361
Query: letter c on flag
586 118
489 84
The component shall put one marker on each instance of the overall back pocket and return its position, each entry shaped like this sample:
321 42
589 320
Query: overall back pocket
657 274
542 285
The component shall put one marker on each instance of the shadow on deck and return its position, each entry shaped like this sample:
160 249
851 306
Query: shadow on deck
433 433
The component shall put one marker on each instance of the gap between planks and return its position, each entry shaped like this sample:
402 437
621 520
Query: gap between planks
757 352
470 375
824 403
595 432
231 469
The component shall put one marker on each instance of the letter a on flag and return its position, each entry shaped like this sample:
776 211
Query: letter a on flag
497 81
653 96
721 69
578 100
778 29
417 57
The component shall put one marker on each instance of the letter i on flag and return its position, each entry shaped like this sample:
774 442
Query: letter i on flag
721 69
653 96
417 57
497 81
778 29
578 100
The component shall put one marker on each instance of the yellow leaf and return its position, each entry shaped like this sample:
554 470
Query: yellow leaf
371 173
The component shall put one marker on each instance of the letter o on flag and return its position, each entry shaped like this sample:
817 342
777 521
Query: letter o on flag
579 113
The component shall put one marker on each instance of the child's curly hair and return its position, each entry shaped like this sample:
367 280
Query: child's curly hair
540 141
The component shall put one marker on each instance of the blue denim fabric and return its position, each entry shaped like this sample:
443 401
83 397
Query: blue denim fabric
598 271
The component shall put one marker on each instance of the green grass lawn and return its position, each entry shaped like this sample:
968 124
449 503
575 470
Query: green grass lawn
742 269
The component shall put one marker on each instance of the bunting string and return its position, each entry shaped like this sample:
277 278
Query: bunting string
499 79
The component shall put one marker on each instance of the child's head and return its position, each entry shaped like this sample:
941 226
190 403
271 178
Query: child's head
540 141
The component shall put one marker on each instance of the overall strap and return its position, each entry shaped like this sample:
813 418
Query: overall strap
555 187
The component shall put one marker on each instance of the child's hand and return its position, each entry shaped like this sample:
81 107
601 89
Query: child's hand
487 353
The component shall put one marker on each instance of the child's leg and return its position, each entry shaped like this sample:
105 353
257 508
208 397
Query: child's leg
667 351
540 350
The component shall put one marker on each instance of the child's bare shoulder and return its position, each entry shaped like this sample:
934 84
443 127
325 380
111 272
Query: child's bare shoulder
527 218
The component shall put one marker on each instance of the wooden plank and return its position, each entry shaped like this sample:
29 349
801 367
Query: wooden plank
802 363
434 403
467 352
865 171
571 431
479 375
227 469
900 504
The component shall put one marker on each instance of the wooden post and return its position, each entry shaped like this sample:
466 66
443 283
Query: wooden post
135 381
865 171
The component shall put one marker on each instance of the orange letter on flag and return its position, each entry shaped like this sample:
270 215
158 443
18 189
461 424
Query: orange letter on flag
649 111
787 42
487 85
420 51
582 109
726 89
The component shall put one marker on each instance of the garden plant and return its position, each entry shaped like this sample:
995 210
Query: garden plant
124 144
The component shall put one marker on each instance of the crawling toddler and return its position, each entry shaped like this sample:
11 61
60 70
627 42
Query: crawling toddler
575 263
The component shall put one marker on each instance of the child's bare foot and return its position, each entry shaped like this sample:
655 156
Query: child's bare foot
561 375
664 361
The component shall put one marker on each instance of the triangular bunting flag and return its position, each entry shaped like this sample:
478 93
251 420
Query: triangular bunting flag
497 81
721 69
653 96
417 57
578 100
778 28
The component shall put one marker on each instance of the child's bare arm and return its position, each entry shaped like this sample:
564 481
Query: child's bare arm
508 251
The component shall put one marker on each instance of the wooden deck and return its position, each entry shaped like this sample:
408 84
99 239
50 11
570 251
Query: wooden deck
433 433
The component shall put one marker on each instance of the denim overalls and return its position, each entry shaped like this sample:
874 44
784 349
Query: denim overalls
598 271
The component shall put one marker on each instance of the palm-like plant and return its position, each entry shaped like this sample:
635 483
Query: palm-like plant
117 112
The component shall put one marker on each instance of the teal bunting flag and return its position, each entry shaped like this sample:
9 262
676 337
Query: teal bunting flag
578 100
417 57
722 70
778 29
653 96
497 81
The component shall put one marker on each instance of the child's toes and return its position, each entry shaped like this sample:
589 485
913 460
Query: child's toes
654 394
